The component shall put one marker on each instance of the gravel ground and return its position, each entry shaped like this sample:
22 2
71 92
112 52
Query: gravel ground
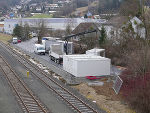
105 97
8 103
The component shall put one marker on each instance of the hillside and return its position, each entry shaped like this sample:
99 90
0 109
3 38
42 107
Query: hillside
7 3
83 10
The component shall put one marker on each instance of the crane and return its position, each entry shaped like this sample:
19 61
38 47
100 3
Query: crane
74 35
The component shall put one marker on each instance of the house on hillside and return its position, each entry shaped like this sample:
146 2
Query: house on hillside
82 27
52 7
137 26
89 26
116 24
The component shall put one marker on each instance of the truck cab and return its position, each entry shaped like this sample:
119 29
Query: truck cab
39 49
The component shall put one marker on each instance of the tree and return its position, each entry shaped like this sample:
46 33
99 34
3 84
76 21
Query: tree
23 33
85 16
41 31
26 32
107 5
18 31
130 7
27 8
68 30
103 36
43 9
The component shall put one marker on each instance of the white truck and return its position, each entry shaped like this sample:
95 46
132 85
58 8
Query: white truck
47 41
57 51
39 49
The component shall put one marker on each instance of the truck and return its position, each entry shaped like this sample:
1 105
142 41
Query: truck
57 51
39 49
47 41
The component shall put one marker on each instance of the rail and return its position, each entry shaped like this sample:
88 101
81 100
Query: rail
74 102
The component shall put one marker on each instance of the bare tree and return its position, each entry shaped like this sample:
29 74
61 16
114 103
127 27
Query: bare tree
41 31
26 31
129 7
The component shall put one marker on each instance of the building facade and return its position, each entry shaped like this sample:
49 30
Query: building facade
50 23
1 26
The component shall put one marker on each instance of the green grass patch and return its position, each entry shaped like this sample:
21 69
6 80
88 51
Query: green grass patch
41 16
5 38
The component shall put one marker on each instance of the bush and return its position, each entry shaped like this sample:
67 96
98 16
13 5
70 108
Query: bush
136 91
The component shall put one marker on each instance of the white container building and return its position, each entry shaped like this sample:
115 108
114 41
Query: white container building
96 52
86 65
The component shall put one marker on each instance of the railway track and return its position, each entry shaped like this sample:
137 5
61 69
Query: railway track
24 96
75 103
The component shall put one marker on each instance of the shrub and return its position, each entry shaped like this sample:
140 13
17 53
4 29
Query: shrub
136 91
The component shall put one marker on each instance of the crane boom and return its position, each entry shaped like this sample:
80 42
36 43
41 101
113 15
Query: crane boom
74 35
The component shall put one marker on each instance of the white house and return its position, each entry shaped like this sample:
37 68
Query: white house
52 6
137 25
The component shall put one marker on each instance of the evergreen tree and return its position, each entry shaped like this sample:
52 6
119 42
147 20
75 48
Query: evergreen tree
43 9
27 8
85 16
18 31
103 36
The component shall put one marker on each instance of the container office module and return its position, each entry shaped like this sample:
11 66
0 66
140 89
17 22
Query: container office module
86 65
96 52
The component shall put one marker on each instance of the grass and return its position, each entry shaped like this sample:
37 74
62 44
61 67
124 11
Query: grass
41 16
5 38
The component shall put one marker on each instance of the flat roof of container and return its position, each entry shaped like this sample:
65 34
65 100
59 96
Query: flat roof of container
84 56
76 55
90 59
95 50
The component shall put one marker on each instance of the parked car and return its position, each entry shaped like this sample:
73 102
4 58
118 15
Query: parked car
19 41
15 40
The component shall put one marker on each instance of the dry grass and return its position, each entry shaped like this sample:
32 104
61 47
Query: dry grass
105 98
5 38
